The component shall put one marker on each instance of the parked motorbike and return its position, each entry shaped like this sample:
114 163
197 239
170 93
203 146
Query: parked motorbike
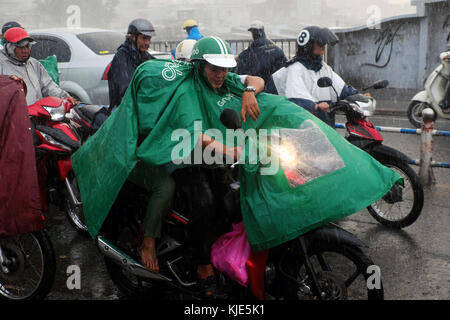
402 205
55 141
326 263
434 93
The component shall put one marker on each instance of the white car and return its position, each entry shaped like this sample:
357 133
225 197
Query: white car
84 56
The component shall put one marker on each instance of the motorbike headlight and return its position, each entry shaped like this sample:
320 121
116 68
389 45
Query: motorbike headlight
288 154
56 114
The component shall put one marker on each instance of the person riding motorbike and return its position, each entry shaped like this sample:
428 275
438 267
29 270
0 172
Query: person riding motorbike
191 28
298 80
184 49
212 58
15 61
128 57
262 58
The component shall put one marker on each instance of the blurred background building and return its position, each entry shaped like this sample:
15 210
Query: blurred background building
227 18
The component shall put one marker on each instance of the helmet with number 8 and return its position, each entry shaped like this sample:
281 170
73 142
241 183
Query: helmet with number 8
314 35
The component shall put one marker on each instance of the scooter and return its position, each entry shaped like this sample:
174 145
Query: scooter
433 95
402 205
55 141
326 263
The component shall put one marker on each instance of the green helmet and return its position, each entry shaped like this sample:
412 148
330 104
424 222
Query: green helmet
215 51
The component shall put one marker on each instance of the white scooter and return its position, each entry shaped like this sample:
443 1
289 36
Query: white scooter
434 93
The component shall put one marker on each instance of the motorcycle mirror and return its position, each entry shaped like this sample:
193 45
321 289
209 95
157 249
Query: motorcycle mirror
380 84
324 82
230 119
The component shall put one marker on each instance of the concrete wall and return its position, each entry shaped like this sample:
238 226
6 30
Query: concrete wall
404 50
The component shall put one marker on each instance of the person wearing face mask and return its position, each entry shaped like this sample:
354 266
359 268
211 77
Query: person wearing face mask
15 61
132 53
262 58
298 79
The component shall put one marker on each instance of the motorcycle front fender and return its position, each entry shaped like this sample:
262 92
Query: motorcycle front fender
332 233
422 96
381 152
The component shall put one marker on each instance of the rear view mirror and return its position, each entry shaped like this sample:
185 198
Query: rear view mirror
380 84
324 82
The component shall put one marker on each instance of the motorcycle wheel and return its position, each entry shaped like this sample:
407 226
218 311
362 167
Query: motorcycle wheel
74 213
342 271
31 267
401 206
415 113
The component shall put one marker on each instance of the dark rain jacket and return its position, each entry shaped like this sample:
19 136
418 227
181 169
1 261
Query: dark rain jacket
20 206
261 58
125 61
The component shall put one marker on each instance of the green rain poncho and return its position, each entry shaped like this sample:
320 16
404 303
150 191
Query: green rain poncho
165 95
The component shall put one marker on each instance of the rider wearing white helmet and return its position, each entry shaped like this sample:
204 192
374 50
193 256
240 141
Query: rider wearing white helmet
184 49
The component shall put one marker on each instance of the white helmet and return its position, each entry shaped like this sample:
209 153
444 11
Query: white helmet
184 49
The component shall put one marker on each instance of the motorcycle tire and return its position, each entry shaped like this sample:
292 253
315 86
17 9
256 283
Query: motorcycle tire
414 112
382 210
31 255
74 213
129 285
341 269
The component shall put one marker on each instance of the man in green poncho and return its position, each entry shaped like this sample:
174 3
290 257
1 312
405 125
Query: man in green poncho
214 69
165 96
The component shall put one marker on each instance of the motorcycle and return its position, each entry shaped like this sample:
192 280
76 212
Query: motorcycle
402 205
27 266
433 95
326 263
27 259
55 141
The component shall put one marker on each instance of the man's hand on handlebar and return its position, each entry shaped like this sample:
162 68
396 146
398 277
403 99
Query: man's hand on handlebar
324 106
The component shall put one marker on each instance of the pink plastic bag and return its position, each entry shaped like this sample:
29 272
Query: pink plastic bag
230 253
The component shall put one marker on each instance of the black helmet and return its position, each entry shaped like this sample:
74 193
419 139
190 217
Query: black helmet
314 35
143 26
10 24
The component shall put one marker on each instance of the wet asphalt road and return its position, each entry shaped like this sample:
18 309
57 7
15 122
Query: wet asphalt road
414 262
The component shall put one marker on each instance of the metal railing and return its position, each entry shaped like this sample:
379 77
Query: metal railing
237 46
426 147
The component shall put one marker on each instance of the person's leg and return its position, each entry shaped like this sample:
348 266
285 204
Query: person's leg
156 180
